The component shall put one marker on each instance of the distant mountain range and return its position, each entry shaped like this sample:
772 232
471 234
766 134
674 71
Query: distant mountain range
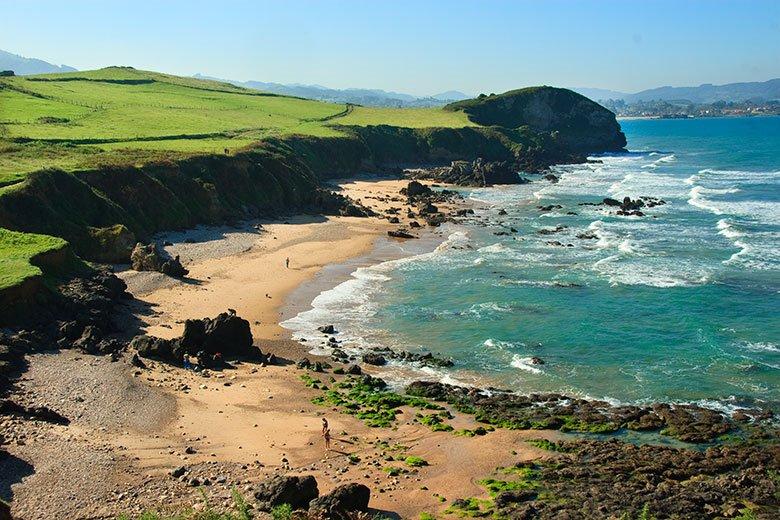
706 93
357 96
22 66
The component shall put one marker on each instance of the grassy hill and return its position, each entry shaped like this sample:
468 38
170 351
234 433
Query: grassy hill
88 119
106 157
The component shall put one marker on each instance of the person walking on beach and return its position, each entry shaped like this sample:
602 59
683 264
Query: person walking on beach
326 435
287 262
324 425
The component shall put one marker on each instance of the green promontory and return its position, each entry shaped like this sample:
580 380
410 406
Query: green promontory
581 124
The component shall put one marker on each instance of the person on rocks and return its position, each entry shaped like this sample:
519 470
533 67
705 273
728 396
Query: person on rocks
186 362
327 437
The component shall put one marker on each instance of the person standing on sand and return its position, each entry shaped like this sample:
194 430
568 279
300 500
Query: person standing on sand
287 262
326 435
324 425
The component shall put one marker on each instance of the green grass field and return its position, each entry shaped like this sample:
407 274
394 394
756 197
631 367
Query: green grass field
87 119
16 250
120 116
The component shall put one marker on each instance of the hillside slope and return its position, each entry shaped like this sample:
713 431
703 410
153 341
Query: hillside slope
104 158
579 123
89 119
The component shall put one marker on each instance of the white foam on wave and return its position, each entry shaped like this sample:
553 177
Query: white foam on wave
728 230
524 363
760 346
350 305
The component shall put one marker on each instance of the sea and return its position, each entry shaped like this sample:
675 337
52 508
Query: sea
679 305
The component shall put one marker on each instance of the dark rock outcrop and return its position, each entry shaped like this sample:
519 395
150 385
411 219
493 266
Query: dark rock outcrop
621 480
341 502
473 173
297 491
400 233
374 359
689 423
227 334
149 258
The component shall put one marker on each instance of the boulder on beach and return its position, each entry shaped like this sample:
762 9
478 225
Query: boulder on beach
227 334
373 358
341 503
297 491
149 258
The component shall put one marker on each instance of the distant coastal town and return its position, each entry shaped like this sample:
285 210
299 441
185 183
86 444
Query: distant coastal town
686 109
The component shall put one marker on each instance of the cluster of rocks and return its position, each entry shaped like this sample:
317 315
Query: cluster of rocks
149 257
472 173
227 335
688 423
629 206
302 494
79 315
379 356
615 479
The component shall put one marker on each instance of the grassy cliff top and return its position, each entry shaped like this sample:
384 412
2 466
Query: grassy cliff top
86 119
16 251
542 108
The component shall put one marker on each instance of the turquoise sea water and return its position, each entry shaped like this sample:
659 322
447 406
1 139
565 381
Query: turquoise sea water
681 305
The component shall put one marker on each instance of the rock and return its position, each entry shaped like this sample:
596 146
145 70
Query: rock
178 472
327 329
341 502
610 202
136 361
374 359
550 231
149 258
416 190
536 360
414 224
435 220
354 370
400 233
394 220
502 211
427 209
226 334
298 491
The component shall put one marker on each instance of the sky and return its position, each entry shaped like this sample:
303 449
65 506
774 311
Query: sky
419 47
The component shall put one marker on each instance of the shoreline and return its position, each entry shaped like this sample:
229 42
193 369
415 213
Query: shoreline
158 435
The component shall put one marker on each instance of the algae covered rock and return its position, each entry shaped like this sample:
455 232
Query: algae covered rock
114 243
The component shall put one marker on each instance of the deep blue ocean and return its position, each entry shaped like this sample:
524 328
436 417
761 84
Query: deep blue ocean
680 305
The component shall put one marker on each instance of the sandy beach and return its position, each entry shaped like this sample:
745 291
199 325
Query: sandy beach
233 428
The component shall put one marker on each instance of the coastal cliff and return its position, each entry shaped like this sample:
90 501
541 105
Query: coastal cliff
576 122
103 211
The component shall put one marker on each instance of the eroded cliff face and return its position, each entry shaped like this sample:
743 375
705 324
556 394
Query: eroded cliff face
576 122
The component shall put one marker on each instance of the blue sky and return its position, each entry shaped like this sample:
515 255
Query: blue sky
420 47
